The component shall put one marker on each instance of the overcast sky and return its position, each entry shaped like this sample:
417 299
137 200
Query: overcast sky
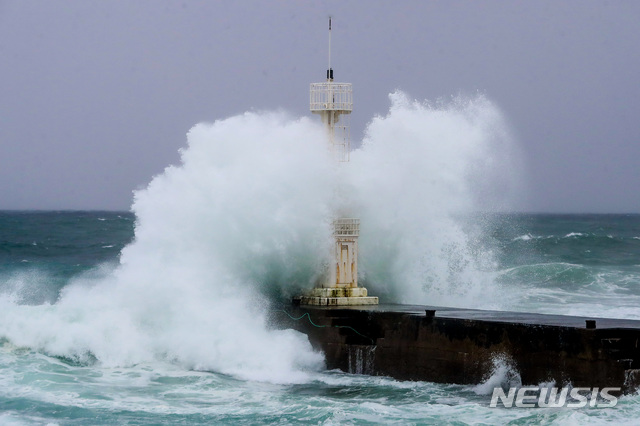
96 97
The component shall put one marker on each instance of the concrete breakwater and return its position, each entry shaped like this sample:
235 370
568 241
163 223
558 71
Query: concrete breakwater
449 345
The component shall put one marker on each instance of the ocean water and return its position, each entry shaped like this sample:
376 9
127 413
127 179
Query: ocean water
160 315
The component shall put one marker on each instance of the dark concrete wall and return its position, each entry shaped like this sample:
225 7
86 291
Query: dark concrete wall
454 350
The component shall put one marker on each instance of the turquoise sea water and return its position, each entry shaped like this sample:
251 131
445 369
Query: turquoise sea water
62 360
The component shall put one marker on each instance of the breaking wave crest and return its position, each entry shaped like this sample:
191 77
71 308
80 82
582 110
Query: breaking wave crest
422 171
244 221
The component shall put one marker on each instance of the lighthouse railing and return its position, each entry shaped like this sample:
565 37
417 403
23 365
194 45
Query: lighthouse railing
330 96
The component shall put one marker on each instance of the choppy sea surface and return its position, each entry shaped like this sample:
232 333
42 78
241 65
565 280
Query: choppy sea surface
55 370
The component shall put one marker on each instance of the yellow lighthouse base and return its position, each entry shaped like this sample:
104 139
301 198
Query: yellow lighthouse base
338 296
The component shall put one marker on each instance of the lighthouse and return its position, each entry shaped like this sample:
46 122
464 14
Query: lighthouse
334 102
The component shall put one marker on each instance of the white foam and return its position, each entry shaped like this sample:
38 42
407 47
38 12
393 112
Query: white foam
248 197
574 234
420 169
503 375
246 215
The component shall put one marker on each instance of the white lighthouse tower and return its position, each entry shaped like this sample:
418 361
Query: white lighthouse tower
334 102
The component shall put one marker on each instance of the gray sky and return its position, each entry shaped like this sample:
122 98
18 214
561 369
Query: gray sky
96 97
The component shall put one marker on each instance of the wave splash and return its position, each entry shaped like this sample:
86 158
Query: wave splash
423 173
244 221
239 210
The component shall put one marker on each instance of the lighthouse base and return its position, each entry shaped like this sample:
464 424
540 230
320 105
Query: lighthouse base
337 296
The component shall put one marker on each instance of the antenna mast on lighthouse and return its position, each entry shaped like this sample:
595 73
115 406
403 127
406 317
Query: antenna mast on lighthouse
334 102
329 71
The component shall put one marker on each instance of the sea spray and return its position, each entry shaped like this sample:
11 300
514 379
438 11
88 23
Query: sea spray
423 171
244 220
246 204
